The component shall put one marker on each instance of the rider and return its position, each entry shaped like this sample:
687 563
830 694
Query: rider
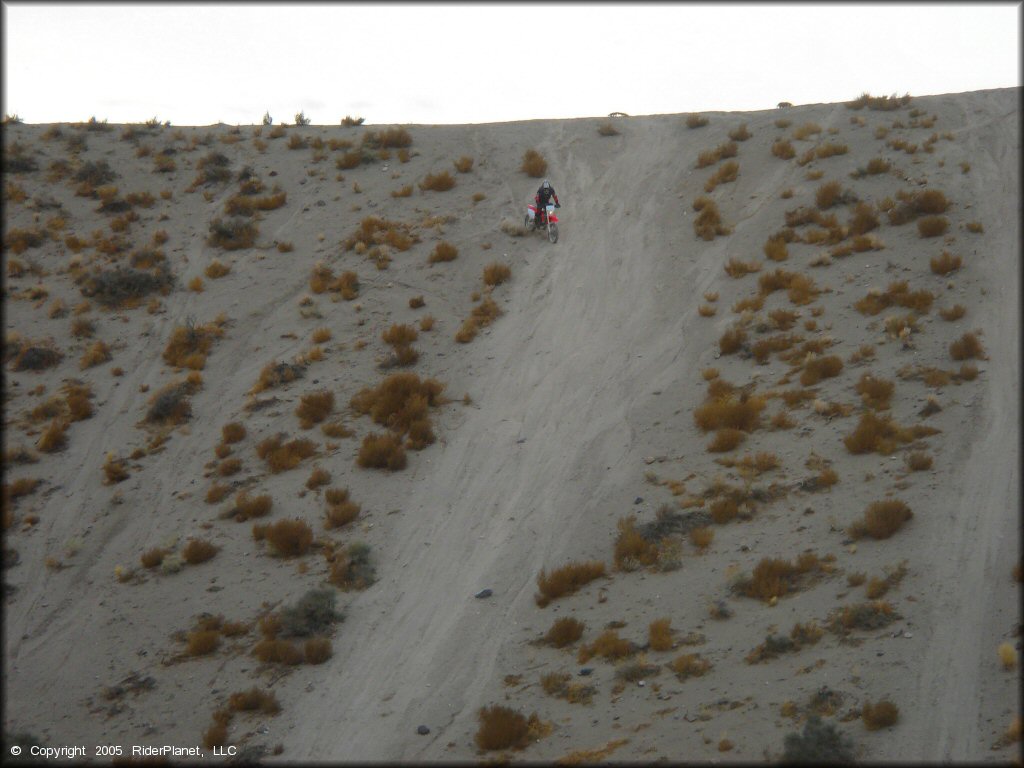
545 193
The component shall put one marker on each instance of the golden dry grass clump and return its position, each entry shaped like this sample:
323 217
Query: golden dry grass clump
374 230
443 251
288 538
198 551
732 340
437 182
631 549
730 409
189 345
932 226
696 121
464 164
882 519
967 347
275 374
829 194
659 635
341 509
496 273
726 173
97 354
504 728
945 264
689 665
399 401
566 580
254 700
564 632
314 407
736 269
533 164
1007 656
774 578
875 392
877 434
607 645
482 315
232 432
323 280
248 507
281 456
382 451
879 715
819 368
899 294
708 223
726 439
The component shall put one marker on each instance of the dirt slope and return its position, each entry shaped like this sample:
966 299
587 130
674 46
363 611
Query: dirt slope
582 400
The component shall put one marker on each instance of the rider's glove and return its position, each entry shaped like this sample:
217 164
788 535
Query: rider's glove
558 205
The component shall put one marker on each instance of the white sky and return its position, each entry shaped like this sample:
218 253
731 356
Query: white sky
199 63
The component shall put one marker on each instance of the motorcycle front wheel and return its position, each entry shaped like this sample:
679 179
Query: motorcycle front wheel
553 233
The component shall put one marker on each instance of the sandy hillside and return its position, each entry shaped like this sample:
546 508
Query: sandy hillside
576 423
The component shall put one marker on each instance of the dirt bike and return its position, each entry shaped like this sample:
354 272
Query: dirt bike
546 220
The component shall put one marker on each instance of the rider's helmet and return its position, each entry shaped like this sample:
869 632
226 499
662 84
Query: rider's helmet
546 184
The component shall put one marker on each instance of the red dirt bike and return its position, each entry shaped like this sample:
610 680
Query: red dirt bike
546 219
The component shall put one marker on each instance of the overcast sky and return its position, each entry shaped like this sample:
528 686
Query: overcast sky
198 63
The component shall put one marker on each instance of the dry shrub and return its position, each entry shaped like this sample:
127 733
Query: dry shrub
775 249
281 456
631 549
563 632
382 451
701 537
706 311
967 347
289 538
502 728
783 149
533 164
496 273
726 172
278 651
202 642
881 435
945 264
275 374
805 131
152 558
820 368
864 219
689 665
952 313
875 392
96 354
340 513
443 251
247 507
54 437
317 650
898 294
783 319
730 410
828 194
932 226
190 344
1007 656
659 635
607 645
314 408
399 400
774 578
254 700
737 269
880 715
708 223
566 580
696 121
732 340
317 478
464 164
198 551
726 440
742 133
882 519
217 492
724 510
918 461
438 182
